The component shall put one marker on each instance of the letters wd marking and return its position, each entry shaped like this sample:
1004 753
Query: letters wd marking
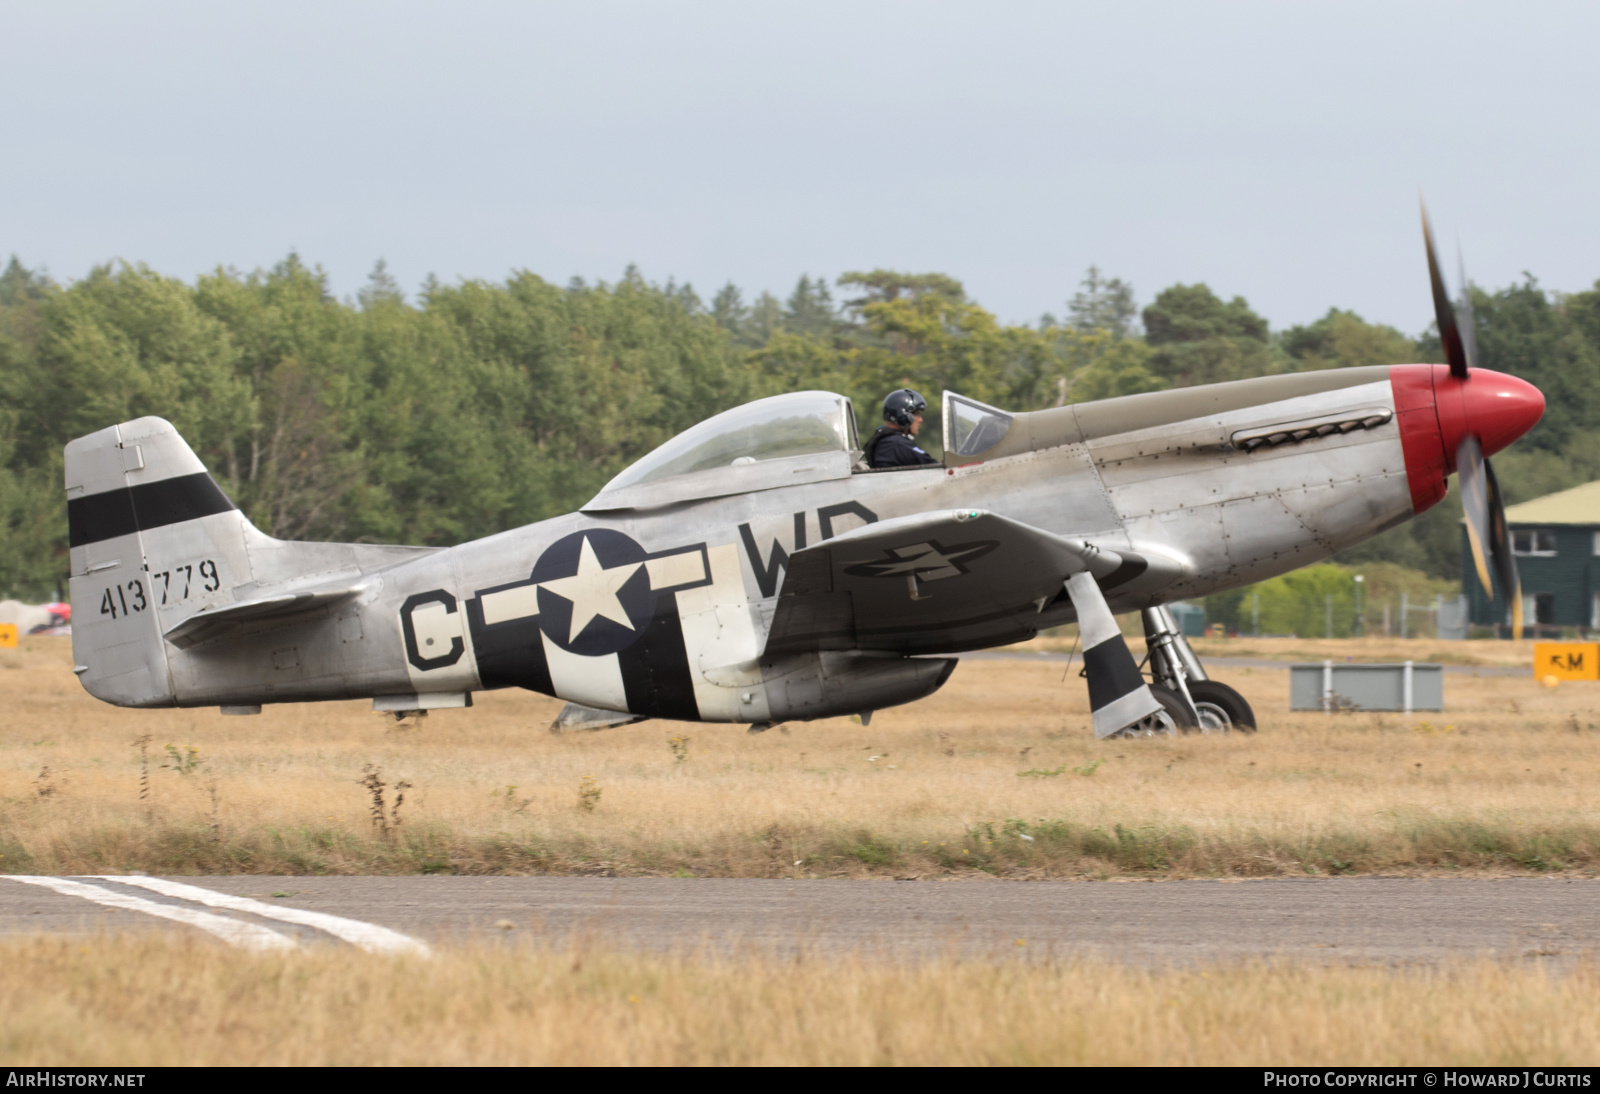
1567 660
768 572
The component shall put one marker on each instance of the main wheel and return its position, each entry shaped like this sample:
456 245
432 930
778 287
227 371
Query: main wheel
1221 708
1170 720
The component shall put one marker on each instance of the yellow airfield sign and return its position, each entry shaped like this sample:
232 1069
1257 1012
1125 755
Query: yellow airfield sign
1567 660
8 636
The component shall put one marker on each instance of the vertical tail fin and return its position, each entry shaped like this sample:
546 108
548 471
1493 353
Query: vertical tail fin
153 539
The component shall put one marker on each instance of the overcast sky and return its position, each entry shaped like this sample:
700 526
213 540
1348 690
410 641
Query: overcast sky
1271 150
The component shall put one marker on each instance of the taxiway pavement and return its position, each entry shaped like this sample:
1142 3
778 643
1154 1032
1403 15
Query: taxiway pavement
1391 920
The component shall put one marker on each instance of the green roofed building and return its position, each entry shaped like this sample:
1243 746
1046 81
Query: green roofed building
1556 540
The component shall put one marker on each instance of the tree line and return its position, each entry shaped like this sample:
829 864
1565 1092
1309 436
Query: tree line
481 406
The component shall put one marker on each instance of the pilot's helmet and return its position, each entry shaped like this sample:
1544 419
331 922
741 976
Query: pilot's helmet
899 407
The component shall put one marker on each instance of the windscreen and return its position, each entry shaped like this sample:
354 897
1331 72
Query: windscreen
974 427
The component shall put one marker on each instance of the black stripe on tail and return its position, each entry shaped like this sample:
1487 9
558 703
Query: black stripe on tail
143 507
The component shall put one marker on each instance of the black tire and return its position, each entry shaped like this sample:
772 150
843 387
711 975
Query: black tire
1176 708
1173 718
1220 701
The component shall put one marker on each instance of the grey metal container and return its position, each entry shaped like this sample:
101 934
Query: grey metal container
1403 686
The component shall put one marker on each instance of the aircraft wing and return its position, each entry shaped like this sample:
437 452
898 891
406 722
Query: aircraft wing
211 623
931 582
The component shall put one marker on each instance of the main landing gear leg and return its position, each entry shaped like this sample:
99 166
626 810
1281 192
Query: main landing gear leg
1211 707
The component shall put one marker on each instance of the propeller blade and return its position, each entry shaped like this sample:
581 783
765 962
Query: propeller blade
1505 561
1473 471
1449 333
1464 316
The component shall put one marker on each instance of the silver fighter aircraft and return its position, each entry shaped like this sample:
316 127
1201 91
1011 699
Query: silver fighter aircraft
752 570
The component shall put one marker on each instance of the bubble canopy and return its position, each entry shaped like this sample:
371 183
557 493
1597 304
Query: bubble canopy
740 449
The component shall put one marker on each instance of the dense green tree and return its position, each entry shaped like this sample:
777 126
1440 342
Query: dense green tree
1103 303
1521 330
1113 366
1198 338
1342 339
809 310
729 310
1193 313
481 406
126 342
1298 603
1582 308
763 321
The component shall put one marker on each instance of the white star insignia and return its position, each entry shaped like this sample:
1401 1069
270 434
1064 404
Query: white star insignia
593 591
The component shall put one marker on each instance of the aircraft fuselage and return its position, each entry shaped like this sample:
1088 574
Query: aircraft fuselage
665 609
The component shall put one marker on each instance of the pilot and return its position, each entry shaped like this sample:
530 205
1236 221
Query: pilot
894 444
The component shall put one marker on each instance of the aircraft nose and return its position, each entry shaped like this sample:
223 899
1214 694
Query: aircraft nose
1436 411
1498 408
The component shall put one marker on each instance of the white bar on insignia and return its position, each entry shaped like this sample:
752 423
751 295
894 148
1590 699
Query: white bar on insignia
592 681
508 604
1125 711
719 631
680 569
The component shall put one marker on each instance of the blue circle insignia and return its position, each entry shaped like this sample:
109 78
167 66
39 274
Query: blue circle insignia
594 592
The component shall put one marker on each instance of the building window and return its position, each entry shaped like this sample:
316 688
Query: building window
1538 609
1544 608
1533 541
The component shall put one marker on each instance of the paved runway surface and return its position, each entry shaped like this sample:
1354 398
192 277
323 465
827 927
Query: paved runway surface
1336 919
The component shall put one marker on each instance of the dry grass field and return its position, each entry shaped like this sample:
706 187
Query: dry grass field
1501 782
1495 653
152 1000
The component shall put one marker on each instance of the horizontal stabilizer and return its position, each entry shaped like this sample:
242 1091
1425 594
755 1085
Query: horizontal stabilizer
213 623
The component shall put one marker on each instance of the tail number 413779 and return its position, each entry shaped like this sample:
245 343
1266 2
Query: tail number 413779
172 586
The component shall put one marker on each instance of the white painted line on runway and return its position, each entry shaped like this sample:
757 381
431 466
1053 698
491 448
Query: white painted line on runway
236 932
368 936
